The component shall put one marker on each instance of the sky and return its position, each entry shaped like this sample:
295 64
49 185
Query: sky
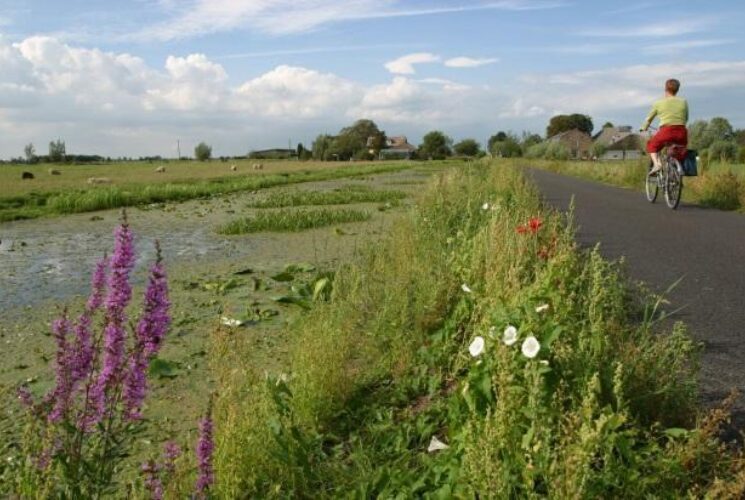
133 77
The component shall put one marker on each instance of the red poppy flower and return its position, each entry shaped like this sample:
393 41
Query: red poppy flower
535 224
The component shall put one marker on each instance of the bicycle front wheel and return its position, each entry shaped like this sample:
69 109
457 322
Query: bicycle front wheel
673 183
652 185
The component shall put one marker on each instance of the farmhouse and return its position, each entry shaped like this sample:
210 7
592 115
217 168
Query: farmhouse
578 143
397 147
620 143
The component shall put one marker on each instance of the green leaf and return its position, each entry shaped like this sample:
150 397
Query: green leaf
676 432
283 277
163 369
319 287
290 299
303 267
247 270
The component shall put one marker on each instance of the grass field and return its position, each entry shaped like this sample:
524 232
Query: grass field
139 184
717 185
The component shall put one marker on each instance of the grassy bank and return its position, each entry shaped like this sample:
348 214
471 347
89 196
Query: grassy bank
135 192
718 185
412 351
341 196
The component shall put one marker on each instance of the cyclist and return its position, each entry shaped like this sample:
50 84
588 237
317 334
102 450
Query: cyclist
673 113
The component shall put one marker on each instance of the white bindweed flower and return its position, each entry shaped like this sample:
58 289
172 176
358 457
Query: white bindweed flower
510 335
465 288
477 346
230 322
541 308
531 347
485 206
436 445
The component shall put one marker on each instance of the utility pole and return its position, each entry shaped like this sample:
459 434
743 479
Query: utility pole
178 148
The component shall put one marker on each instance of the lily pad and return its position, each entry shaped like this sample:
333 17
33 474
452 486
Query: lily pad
284 277
162 368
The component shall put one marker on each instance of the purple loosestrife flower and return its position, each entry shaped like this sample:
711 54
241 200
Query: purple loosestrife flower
83 362
24 396
150 332
152 482
171 451
59 397
205 447
115 333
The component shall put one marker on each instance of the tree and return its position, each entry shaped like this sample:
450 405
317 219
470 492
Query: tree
529 140
703 134
740 137
435 145
467 147
507 148
607 125
562 123
723 150
203 152
362 140
322 147
30 153
498 137
302 153
57 151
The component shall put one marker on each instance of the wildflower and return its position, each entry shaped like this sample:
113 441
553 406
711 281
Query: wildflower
205 447
150 332
485 206
477 346
510 335
171 451
530 347
465 288
436 445
60 395
152 482
119 295
541 308
534 224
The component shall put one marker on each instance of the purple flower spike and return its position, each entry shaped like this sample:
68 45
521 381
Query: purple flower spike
151 330
60 395
205 447
152 482
24 396
171 451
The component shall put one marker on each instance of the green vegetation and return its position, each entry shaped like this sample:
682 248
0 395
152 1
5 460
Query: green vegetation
719 185
35 204
292 220
408 353
362 141
563 123
435 146
467 147
202 152
341 196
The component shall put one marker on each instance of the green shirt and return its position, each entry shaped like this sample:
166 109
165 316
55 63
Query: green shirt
672 110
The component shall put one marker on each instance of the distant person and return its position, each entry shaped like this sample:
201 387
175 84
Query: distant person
673 113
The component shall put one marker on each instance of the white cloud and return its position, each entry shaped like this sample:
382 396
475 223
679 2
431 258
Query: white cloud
469 62
189 18
658 29
683 45
117 104
404 65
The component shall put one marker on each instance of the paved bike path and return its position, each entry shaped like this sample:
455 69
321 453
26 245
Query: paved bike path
705 247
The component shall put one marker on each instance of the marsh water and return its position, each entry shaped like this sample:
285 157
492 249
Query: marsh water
51 259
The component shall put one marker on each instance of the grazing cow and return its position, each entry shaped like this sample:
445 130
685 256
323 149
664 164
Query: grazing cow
258 166
160 169
27 175
233 167
99 180
54 172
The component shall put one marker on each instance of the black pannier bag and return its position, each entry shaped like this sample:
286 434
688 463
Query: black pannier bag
690 168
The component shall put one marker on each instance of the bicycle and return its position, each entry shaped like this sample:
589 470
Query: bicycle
669 178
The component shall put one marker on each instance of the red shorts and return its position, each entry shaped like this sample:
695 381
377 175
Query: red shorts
669 134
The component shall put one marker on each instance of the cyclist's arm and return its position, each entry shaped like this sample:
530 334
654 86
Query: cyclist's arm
649 119
686 112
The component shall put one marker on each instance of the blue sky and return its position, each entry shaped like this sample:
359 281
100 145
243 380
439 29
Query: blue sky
131 77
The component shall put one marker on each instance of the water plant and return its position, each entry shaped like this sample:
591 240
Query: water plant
342 196
284 220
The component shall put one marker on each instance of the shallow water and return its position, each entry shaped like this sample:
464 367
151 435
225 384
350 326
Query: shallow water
51 259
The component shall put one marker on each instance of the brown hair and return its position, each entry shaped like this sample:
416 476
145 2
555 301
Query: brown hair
672 86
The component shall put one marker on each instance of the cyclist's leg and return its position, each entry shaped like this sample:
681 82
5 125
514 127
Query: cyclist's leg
654 146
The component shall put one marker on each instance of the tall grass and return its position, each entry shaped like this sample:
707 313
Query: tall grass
342 196
605 410
292 220
101 198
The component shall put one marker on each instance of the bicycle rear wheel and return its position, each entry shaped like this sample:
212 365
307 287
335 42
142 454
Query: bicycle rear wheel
673 183
651 185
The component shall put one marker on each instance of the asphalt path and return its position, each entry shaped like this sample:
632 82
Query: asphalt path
704 247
